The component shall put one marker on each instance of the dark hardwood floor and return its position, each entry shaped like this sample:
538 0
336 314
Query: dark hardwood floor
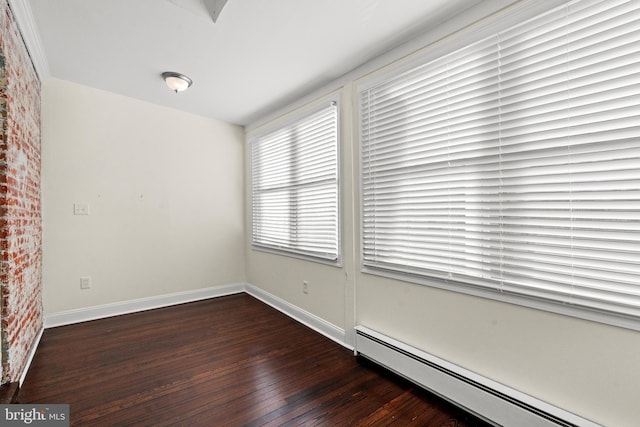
230 361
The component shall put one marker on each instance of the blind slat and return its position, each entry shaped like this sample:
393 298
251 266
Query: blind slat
295 186
512 164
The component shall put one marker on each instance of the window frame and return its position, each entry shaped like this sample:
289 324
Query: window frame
479 31
287 120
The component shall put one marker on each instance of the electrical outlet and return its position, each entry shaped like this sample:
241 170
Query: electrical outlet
85 282
305 287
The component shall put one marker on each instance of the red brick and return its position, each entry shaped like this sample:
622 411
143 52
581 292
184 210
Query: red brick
20 212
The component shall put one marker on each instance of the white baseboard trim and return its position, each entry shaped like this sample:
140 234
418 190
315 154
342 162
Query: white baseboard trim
310 320
142 304
32 353
494 402
115 309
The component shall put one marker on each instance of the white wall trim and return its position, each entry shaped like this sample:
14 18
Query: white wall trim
488 399
26 23
142 304
32 353
310 320
132 306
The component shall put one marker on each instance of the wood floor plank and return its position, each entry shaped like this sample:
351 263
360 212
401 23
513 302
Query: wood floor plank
230 361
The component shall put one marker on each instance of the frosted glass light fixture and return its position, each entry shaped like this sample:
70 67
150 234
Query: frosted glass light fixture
177 82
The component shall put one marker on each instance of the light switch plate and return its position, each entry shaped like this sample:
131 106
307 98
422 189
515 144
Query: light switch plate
81 208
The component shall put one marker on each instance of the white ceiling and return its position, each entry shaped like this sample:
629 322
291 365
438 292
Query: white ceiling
259 55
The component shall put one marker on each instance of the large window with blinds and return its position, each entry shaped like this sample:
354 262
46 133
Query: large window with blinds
512 166
294 186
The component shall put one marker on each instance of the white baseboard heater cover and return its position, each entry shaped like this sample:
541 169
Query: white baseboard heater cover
487 399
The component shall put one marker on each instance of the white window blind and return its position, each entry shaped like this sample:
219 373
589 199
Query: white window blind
513 164
295 186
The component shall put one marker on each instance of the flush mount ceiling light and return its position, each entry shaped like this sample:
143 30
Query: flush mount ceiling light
177 82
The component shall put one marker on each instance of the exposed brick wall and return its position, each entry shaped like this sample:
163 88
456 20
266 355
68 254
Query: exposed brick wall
20 211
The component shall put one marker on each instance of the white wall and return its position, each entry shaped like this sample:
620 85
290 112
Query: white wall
587 368
165 190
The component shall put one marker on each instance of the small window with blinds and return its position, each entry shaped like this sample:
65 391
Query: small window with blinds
511 167
294 191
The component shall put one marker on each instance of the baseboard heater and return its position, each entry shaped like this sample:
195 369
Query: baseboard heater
487 399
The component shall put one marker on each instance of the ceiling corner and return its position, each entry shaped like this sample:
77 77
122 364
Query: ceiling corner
26 23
